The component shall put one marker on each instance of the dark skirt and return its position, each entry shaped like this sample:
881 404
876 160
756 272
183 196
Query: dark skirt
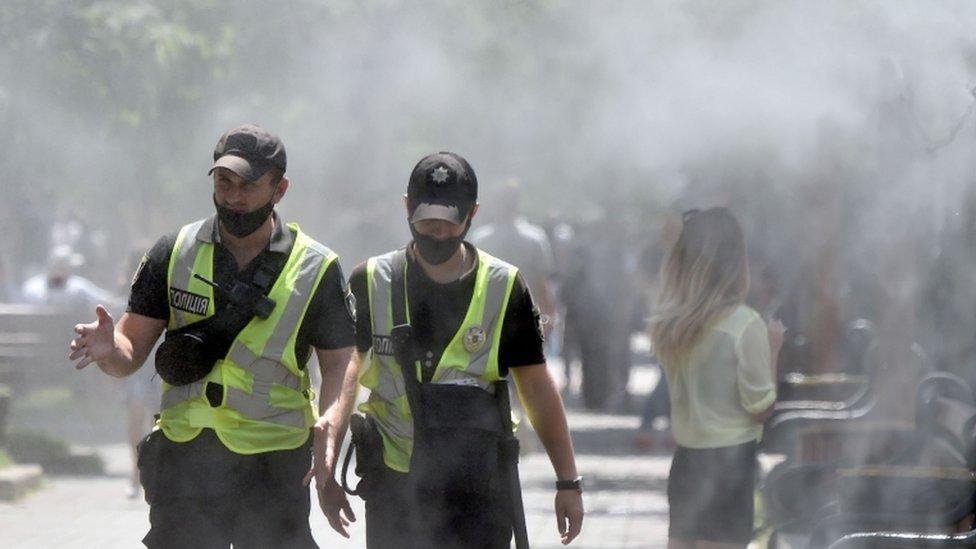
710 493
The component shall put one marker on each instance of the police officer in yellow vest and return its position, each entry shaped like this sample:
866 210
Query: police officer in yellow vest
472 322
244 299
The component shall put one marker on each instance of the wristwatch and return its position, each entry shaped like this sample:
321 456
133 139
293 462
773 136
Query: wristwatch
575 484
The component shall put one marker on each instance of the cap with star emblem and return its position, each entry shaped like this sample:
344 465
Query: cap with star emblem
442 186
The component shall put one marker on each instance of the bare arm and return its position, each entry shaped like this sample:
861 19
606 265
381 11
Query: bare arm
542 402
337 395
118 349
538 393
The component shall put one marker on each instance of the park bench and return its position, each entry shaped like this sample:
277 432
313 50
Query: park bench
23 345
919 502
799 388
35 368
796 490
806 399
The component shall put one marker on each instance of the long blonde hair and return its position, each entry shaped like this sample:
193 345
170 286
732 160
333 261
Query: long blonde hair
704 275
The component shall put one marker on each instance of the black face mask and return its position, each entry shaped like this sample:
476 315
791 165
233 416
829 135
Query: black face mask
243 224
436 251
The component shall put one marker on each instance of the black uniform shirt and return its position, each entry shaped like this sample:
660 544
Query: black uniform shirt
328 323
437 311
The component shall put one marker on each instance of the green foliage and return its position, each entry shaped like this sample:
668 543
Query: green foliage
118 102
45 401
35 447
53 454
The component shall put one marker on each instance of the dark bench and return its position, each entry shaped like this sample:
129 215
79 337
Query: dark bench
34 366
33 344
921 503
811 399
805 390
798 491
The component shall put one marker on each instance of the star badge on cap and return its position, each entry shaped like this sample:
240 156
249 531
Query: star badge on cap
440 175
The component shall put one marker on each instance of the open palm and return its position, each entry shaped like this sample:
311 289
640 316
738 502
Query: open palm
95 340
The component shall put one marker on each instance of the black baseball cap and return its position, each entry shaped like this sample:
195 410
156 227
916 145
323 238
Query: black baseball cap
442 186
249 151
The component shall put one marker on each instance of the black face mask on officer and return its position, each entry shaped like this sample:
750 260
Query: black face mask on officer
242 224
434 250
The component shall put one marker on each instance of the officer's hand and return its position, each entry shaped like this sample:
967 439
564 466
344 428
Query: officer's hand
95 340
335 506
569 514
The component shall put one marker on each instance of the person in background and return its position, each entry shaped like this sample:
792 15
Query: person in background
521 243
59 286
719 357
140 392
512 238
655 431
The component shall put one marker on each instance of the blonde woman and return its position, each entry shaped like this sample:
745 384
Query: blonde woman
719 358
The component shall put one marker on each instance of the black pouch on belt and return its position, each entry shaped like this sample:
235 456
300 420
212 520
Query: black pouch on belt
148 461
456 442
367 443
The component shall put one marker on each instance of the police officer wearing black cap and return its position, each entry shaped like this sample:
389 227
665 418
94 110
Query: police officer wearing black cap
244 299
440 325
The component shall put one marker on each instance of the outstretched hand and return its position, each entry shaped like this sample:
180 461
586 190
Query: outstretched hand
95 340
569 514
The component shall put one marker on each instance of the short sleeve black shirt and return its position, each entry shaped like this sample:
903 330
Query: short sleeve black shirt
328 323
437 310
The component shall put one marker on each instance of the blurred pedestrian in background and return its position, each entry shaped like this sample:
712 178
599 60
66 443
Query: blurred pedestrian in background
720 362
598 282
512 238
59 286
140 390
654 432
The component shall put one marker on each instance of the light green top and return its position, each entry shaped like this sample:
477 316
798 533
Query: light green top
725 378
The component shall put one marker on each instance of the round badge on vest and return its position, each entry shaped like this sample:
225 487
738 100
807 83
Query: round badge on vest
474 339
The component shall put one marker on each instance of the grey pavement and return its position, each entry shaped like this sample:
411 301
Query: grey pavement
625 498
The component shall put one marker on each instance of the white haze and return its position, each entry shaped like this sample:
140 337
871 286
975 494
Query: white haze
612 102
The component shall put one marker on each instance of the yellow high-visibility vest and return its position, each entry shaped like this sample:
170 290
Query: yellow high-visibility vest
267 397
471 358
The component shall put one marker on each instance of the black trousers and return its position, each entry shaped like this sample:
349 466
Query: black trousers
206 496
401 517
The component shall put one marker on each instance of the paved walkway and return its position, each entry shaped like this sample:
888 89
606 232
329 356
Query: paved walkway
625 498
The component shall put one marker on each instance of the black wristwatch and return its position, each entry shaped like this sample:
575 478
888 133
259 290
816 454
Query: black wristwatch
575 484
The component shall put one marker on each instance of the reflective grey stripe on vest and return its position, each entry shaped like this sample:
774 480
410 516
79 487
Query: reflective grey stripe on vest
186 257
180 278
498 272
390 384
268 369
177 394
